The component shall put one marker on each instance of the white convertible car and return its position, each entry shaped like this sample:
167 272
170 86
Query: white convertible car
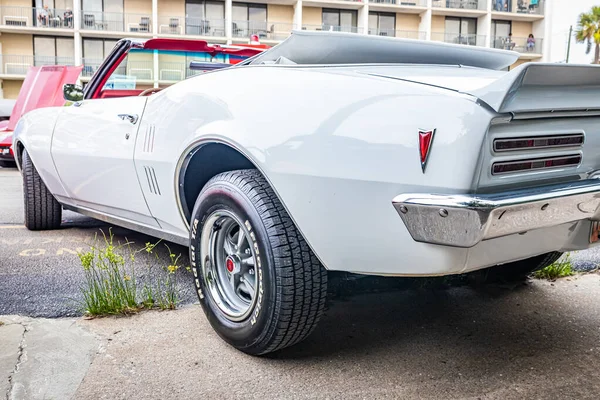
331 152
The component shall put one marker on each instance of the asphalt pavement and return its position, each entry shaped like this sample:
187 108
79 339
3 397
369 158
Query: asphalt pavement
536 340
40 272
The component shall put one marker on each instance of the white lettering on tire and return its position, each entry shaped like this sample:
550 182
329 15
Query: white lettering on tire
258 306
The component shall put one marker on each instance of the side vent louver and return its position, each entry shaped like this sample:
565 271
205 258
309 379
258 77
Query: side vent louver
149 139
152 181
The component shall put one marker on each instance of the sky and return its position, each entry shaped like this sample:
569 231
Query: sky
565 13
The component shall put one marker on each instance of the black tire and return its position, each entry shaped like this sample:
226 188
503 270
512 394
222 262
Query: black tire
42 211
292 288
516 271
8 164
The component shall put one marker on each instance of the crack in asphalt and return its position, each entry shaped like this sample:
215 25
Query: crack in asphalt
20 360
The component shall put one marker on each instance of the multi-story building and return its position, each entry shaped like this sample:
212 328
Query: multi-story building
82 32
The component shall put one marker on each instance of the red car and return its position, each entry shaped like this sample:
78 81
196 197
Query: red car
127 71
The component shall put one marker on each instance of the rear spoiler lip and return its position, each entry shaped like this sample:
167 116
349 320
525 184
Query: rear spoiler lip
544 87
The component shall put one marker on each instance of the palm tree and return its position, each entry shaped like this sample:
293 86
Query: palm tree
588 31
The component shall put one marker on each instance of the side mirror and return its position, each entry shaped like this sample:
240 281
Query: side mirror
72 92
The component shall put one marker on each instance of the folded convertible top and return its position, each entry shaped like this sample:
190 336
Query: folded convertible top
328 48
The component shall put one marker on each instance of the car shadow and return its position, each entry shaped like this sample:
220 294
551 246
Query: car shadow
488 325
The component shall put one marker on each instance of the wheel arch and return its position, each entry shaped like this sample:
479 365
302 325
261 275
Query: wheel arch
199 164
200 154
19 149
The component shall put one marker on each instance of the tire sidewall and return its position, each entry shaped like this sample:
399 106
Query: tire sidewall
255 329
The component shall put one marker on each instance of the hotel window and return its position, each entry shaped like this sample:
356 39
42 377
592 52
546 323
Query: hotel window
53 50
500 32
94 52
103 15
205 18
382 24
249 19
339 20
461 30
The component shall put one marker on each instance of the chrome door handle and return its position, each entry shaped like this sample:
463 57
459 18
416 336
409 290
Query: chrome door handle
132 118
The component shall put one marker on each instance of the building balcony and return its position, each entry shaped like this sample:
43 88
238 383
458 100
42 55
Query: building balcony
456 38
529 50
461 5
116 22
28 17
264 30
522 8
191 26
142 71
408 3
332 28
18 65
398 33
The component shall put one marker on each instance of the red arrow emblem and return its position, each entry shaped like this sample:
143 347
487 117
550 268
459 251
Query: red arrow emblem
425 141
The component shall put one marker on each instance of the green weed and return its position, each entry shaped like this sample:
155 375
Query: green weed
559 269
110 285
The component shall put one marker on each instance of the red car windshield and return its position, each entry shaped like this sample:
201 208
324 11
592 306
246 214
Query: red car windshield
136 71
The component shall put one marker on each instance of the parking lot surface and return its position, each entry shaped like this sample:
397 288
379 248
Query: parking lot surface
539 340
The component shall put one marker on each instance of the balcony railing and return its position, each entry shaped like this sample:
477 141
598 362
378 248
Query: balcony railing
522 45
331 28
535 7
36 17
175 71
398 33
90 66
456 38
12 64
416 3
191 26
264 30
168 71
460 4
116 22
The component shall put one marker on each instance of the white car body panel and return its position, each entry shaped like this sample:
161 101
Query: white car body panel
93 152
337 144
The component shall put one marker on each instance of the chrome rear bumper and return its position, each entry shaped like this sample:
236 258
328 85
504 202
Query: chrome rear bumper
465 220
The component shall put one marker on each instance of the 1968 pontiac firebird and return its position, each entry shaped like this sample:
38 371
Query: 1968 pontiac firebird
331 152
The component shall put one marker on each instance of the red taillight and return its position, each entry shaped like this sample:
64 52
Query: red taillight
539 142
507 167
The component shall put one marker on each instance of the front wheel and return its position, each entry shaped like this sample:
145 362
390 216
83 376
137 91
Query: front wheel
259 283
42 211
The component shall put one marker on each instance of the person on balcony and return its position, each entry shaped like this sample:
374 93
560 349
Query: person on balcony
530 42
532 5
44 16
509 44
68 18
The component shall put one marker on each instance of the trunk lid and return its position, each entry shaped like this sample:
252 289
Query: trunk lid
529 88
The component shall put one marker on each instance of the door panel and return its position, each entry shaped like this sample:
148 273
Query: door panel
93 147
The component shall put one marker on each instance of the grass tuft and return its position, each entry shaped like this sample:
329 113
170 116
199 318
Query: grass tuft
110 285
561 268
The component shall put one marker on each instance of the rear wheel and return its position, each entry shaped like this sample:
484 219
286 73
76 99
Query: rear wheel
258 282
517 271
42 211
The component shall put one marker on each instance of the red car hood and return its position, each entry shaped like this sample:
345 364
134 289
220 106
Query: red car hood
42 88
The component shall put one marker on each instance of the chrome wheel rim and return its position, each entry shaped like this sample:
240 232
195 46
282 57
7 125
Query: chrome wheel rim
228 264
